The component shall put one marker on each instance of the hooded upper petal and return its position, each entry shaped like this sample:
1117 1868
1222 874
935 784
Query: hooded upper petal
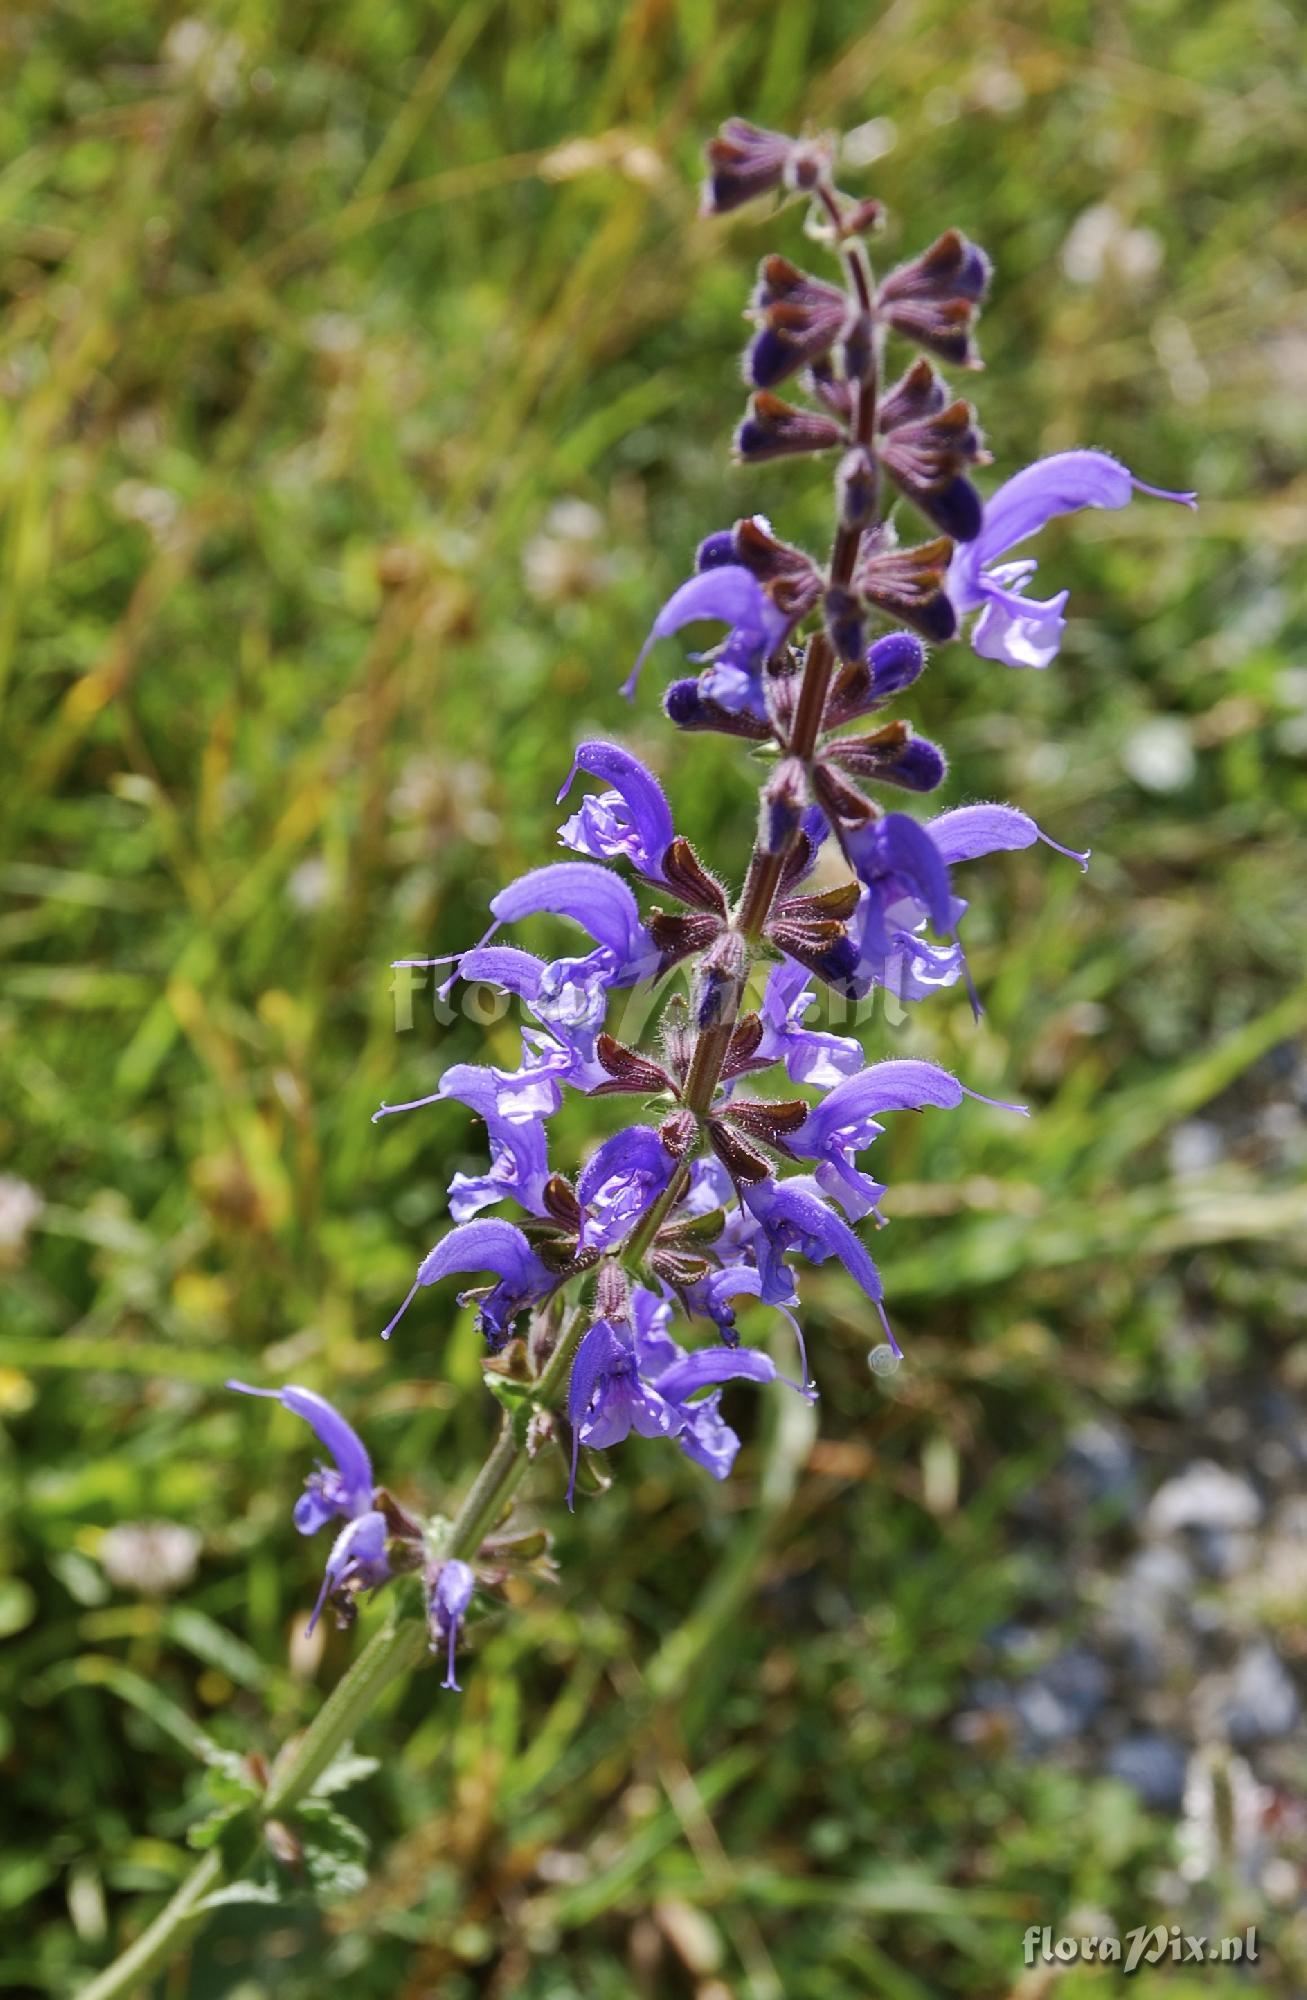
350 1492
1023 632
633 821
726 594
485 1245
592 897
358 1557
969 831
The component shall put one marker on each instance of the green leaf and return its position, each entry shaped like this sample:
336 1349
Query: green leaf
346 1770
335 1850
269 1892
517 1399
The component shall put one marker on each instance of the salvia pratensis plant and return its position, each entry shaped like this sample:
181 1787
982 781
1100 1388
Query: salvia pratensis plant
609 1304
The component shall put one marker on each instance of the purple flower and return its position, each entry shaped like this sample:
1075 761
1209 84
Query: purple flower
1019 631
450 1598
618 1183
793 1217
570 1007
904 868
487 1245
847 1120
633 822
343 1491
630 1375
809 1054
905 886
511 1104
723 593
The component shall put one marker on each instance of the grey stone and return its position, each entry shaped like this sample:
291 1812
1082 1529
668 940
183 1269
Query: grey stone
1154 1764
1204 1496
1063 1698
1263 1699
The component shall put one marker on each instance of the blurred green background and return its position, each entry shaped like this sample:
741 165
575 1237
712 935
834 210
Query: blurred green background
365 383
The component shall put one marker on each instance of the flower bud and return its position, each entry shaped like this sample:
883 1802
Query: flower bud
783 800
855 485
844 623
933 299
773 429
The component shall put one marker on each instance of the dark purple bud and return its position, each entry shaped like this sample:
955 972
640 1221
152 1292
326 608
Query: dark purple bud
745 161
715 551
858 350
926 455
894 663
790 578
783 801
932 300
855 486
773 429
688 708
834 958
917 394
844 623
956 508
908 584
799 320
891 756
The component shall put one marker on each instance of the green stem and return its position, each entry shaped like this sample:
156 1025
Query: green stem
162 1939
388 1655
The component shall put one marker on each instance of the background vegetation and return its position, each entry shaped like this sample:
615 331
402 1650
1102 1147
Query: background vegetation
365 381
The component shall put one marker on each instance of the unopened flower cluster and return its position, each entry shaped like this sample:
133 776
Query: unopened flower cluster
716 1191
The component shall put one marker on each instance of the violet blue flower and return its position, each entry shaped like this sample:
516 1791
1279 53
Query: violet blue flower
448 1606
343 1491
723 593
601 904
630 1375
792 1216
847 1120
618 1183
486 1245
511 1105
1020 631
633 822
904 868
810 1055
570 1011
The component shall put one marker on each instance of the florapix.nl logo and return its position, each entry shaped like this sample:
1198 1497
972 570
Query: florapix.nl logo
1145 1944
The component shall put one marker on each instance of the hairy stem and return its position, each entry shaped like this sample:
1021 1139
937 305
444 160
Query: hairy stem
160 1941
766 870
